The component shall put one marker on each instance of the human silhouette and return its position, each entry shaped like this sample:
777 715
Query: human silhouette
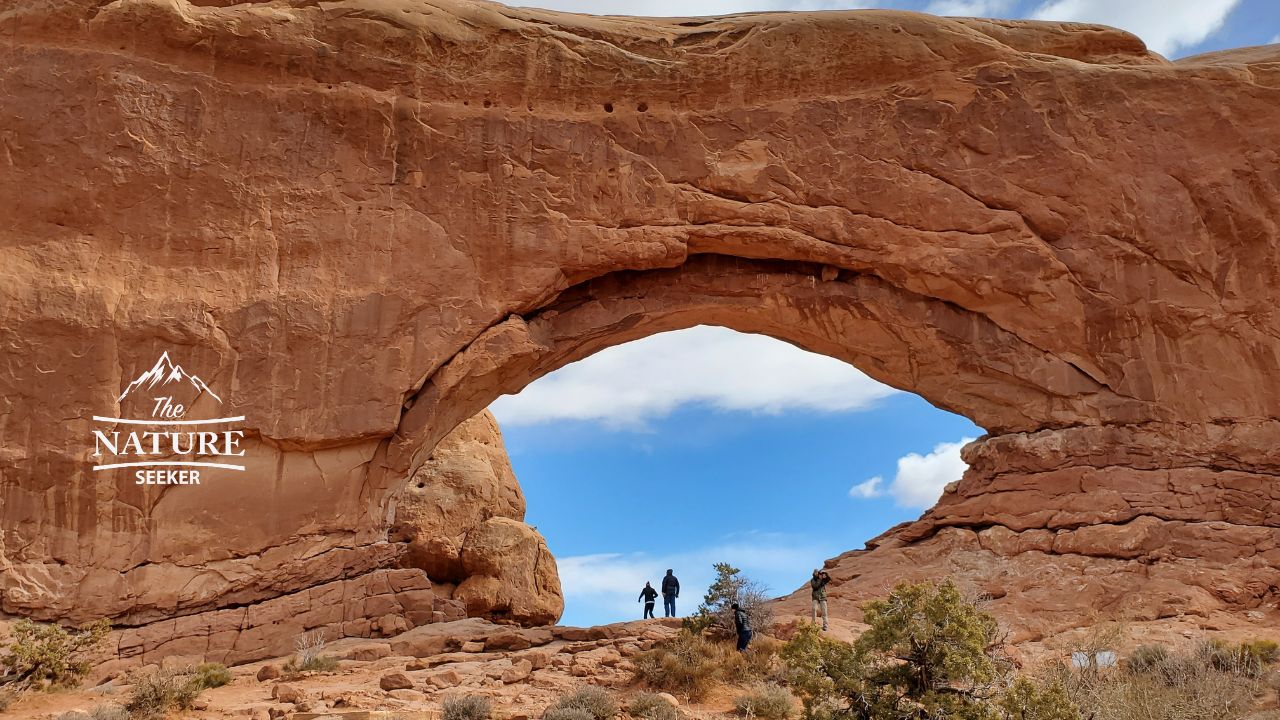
670 591
648 595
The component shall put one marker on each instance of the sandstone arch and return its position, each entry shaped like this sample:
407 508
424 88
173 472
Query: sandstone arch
348 214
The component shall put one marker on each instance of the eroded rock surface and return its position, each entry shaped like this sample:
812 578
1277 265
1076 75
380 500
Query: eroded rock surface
461 514
361 222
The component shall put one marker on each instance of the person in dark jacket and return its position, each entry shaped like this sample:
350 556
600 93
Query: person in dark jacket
742 624
670 591
649 596
818 585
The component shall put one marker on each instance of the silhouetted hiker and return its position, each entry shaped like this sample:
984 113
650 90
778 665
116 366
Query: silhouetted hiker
743 625
819 584
649 595
670 591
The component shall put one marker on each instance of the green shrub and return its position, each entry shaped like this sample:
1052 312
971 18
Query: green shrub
211 675
156 694
768 702
1027 700
467 707
597 702
1266 651
928 652
40 655
1231 659
1147 658
715 614
651 706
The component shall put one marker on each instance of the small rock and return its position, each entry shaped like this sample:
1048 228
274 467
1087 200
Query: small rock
417 664
408 695
517 672
268 672
395 681
288 693
671 699
473 646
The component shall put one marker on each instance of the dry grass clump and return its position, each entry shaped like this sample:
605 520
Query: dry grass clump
690 665
767 702
158 693
309 655
1214 681
468 707
597 703
651 706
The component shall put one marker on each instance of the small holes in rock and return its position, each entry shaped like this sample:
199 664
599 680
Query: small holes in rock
488 103
421 485
608 107
642 107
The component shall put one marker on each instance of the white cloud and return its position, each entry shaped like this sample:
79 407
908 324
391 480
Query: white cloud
920 478
969 8
604 587
626 385
689 8
868 488
1164 25
1274 41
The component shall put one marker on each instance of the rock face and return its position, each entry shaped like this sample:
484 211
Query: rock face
461 515
510 574
360 222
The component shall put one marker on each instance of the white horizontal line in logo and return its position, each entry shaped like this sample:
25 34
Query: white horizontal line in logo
100 418
224 466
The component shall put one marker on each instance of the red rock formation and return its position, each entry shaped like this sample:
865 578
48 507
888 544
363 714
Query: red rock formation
363 221
461 514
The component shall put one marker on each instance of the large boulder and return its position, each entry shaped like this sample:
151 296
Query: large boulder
511 574
466 480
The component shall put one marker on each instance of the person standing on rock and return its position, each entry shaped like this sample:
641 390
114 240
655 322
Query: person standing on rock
649 596
670 591
742 624
818 584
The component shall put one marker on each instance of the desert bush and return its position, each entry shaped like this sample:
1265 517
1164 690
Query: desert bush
109 712
651 706
1249 658
597 702
156 694
690 665
566 713
308 655
715 614
1026 699
467 707
929 652
1206 683
768 702
101 712
1147 658
211 675
39 655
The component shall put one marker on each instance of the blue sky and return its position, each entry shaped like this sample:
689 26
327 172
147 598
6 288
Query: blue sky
702 445
688 448
1174 28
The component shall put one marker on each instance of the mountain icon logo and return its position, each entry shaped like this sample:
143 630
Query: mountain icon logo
167 372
